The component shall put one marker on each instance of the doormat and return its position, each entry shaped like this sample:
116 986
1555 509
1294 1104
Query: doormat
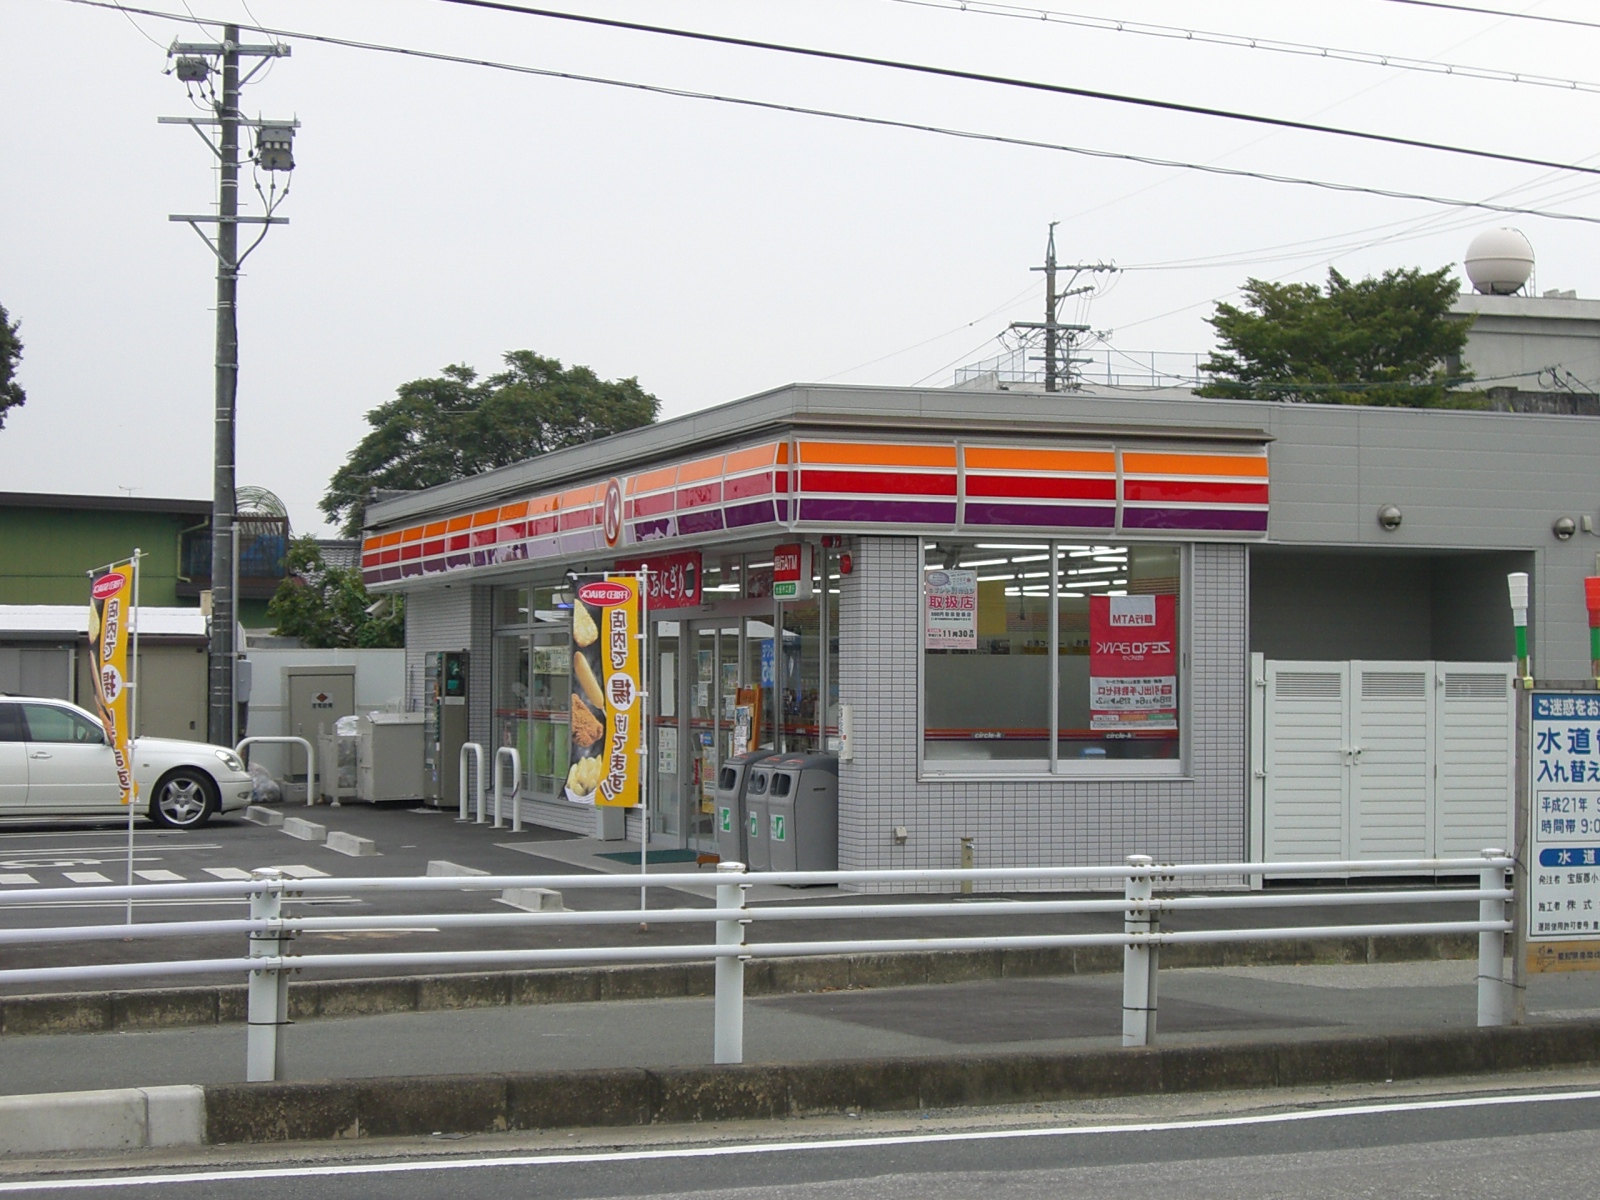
631 857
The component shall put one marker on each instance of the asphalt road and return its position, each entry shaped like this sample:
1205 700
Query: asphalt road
1494 1145
408 837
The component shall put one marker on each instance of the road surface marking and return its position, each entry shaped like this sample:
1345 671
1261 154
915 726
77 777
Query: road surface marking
86 877
17 877
228 872
861 1143
159 875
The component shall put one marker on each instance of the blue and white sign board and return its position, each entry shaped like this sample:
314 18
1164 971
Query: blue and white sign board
1564 831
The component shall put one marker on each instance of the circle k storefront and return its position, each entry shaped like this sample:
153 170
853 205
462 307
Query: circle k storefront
1014 618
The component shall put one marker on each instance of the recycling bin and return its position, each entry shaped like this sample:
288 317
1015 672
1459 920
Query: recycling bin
757 787
803 813
732 824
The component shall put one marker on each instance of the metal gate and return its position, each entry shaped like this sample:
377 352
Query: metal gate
1365 760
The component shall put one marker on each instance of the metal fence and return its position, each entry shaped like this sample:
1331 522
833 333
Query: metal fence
270 933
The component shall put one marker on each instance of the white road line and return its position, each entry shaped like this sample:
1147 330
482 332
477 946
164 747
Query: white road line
861 1143
159 875
16 877
86 877
227 872
302 872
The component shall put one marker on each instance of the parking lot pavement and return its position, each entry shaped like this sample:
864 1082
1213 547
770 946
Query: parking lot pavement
408 837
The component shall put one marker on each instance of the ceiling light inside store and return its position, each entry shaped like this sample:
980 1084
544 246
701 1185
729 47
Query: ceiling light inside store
1095 570
1011 546
986 562
994 578
1018 558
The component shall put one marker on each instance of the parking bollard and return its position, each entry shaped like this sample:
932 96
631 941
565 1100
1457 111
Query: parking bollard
501 755
1139 961
268 992
728 1021
1492 947
476 751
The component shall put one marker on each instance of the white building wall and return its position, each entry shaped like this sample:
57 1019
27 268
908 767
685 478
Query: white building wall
1034 822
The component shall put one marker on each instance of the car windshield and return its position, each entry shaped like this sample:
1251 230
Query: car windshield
47 723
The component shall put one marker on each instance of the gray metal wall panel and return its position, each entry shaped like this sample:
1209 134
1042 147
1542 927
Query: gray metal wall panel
1033 821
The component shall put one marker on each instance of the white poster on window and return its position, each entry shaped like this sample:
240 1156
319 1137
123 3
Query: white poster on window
951 610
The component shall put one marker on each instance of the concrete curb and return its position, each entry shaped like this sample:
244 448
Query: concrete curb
267 1112
116 1119
222 1004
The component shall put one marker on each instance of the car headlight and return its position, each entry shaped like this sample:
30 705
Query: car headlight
230 760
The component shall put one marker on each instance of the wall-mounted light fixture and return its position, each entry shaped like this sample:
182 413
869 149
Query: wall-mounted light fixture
1389 518
1564 528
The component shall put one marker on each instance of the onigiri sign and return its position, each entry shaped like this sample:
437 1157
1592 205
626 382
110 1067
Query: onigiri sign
1133 664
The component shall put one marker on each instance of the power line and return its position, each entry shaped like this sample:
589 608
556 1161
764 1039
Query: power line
1499 12
1033 85
1052 16
889 123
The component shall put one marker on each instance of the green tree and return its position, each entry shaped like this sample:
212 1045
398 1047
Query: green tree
11 393
1377 341
456 425
326 607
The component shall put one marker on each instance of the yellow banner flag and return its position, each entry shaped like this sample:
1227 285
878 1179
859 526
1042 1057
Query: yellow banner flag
607 711
110 616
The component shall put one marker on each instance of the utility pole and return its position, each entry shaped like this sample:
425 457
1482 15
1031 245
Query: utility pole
196 63
1060 339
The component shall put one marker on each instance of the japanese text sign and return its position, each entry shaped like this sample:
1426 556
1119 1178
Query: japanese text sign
951 610
1564 832
607 704
791 571
674 578
110 631
1133 664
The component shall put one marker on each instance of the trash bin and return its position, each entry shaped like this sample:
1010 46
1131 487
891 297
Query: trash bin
758 781
803 813
732 827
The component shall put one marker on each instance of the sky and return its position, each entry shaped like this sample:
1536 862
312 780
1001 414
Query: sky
447 213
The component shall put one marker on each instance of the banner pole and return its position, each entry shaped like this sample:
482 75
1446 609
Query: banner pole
643 576
133 718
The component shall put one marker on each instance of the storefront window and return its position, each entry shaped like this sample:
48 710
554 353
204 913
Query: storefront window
532 665
994 652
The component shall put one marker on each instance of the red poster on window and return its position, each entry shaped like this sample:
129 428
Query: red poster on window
674 578
1133 664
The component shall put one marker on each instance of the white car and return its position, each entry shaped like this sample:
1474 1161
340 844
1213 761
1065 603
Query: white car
54 762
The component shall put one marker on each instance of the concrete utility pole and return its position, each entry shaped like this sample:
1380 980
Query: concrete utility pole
196 63
1059 372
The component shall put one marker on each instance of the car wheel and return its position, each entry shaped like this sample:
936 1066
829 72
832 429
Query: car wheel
184 799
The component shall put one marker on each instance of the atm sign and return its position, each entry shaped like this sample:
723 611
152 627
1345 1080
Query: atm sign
791 571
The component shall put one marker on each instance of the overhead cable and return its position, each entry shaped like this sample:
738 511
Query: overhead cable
1477 10
1032 85
1052 16
884 122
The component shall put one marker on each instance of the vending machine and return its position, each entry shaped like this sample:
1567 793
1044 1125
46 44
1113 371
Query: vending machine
444 725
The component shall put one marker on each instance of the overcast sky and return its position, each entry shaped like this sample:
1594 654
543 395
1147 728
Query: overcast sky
445 213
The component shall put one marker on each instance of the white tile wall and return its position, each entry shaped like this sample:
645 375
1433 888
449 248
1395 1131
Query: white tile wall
1034 822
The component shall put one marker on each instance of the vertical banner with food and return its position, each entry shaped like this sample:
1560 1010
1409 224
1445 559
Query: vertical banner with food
1133 664
110 619
607 715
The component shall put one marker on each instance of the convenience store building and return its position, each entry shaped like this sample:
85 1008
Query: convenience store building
1289 543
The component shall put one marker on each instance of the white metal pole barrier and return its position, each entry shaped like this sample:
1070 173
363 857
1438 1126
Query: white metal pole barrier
268 991
1491 946
477 754
311 759
1138 958
727 1034
500 755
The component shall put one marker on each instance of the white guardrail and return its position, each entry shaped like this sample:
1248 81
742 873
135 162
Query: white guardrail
270 932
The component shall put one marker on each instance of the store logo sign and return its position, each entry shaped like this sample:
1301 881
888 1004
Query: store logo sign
605 593
612 515
791 571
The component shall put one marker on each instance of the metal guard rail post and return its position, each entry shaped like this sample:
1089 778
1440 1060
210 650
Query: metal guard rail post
477 753
311 761
500 756
270 932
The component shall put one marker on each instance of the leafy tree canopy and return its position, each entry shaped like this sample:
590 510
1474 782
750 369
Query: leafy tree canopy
1377 341
456 425
11 393
326 607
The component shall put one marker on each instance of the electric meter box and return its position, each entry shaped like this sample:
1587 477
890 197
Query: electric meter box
732 822
802 825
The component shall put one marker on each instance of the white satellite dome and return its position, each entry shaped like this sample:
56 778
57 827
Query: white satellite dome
1499 261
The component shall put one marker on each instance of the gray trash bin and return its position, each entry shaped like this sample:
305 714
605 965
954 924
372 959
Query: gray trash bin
732 824
758 782
803 813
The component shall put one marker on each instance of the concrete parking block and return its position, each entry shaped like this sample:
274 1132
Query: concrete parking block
306 831
440 867
349 843
257 815
533 899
